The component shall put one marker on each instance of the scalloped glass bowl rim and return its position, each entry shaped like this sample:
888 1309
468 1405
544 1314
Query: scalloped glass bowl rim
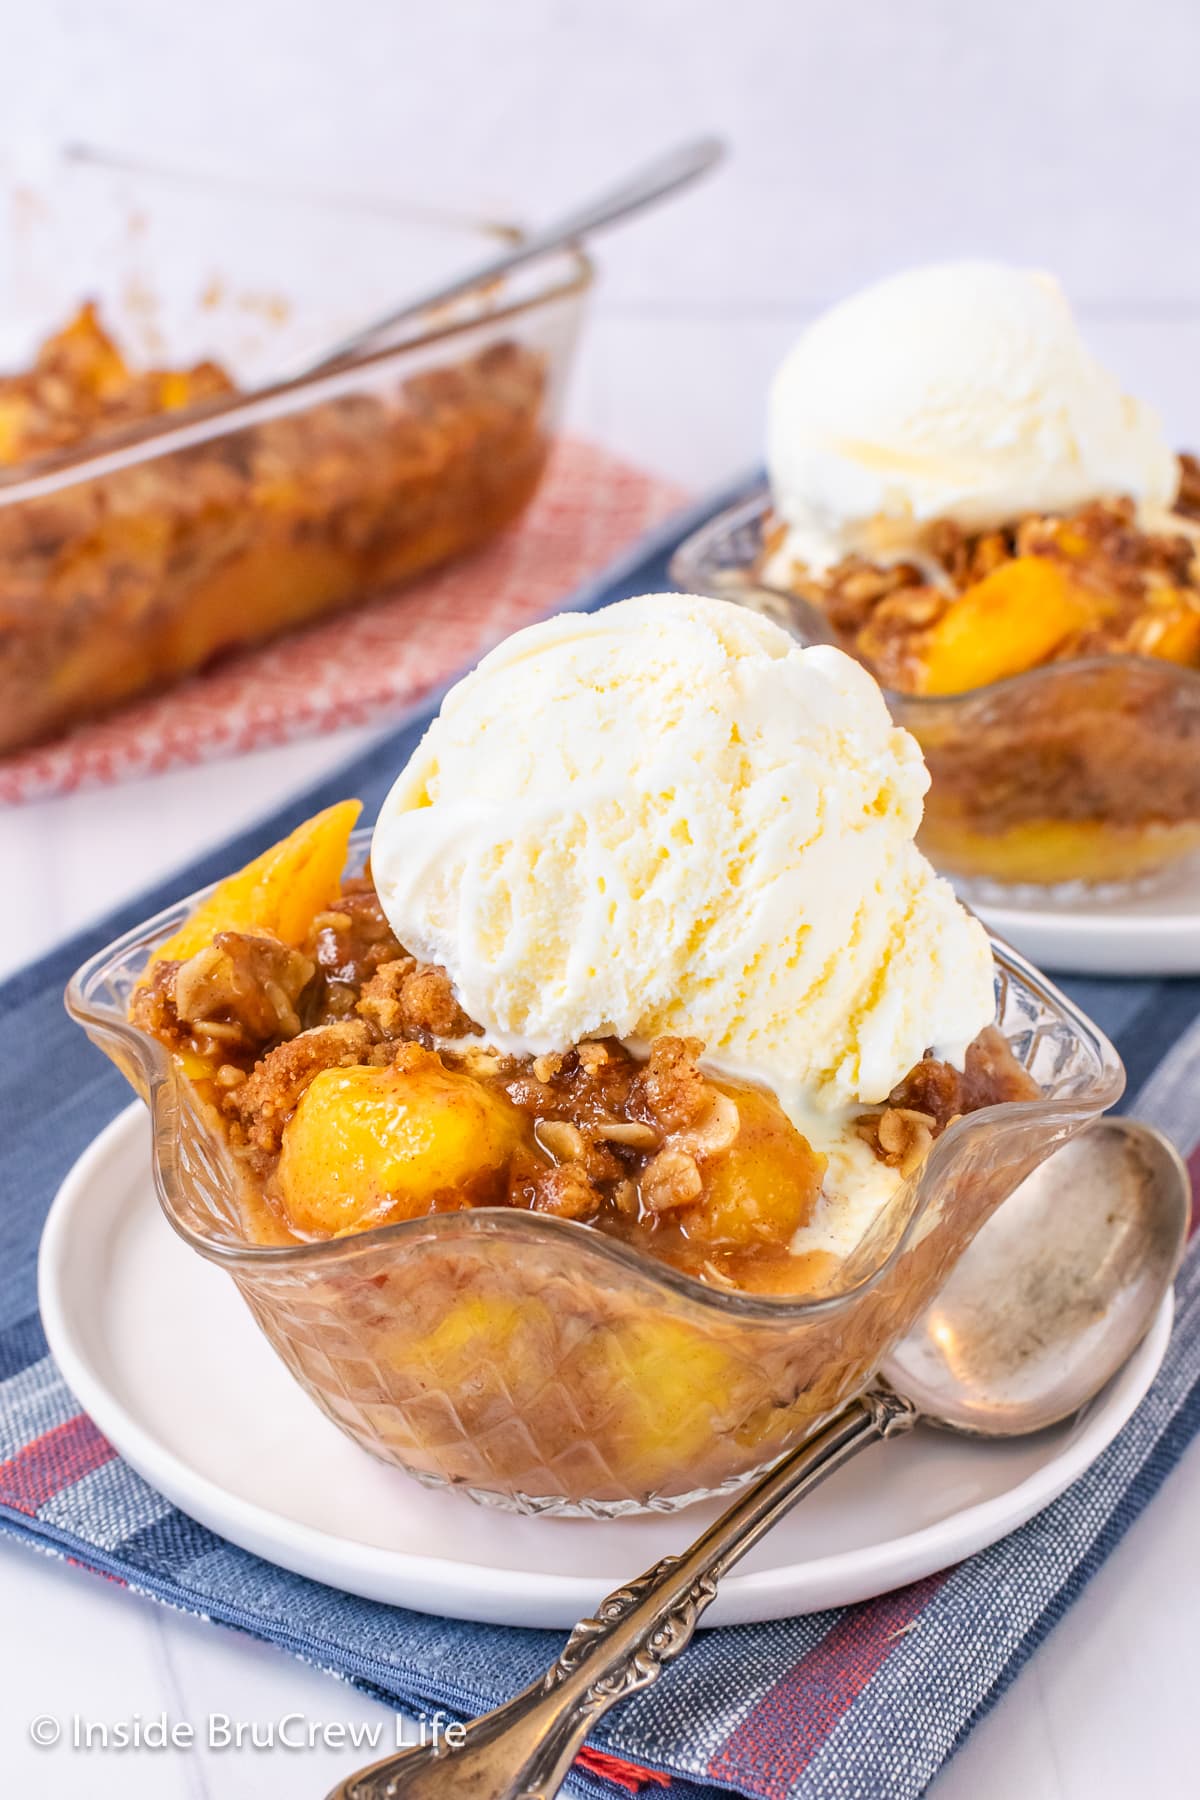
564 1235
751 507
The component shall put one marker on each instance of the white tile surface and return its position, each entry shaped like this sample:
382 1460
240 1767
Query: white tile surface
865 137
1056 132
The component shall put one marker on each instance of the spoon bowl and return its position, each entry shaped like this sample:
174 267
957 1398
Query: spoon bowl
1056 1292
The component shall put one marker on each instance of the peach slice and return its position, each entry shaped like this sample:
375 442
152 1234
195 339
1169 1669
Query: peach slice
762 1189
280 892
670 1384
1012 620
371 1146
1173 633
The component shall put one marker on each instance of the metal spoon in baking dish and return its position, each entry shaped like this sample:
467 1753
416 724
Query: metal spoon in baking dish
673 170
1049 1302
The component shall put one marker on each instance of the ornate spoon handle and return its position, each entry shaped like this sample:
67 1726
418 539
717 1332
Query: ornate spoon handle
523 1750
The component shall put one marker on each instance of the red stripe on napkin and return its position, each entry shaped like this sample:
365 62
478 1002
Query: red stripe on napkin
54 1461
622 1774
780 1736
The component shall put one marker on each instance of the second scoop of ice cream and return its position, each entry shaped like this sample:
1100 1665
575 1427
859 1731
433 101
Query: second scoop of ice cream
962 391
669 817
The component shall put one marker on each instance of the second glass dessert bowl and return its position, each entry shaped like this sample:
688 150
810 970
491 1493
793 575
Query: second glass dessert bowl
539 1365
1085 770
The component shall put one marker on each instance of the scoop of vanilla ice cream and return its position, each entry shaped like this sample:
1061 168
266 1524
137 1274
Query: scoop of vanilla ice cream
962 391
669 817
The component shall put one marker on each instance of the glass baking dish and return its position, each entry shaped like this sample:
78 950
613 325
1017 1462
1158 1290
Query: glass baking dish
539 1365
1082 771
134 559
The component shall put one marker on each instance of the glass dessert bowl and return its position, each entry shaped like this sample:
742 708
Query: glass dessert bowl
962 498
538 1355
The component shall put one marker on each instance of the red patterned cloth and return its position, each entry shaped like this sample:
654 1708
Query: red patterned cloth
374 664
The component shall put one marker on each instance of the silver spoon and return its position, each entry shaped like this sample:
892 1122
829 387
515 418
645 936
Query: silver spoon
1046 1306
667 173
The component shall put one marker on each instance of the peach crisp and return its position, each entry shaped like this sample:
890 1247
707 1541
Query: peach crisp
354 1093
592 1140
1008 543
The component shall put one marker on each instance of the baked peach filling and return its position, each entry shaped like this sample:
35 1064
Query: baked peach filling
1053 851
980 607
127 581
1088 776
81 387
354 1093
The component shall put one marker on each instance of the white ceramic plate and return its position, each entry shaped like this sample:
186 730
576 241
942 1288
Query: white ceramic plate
159 1348
1156 933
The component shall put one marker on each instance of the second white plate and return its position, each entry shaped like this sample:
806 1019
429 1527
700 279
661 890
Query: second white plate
1156 933
158 1347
